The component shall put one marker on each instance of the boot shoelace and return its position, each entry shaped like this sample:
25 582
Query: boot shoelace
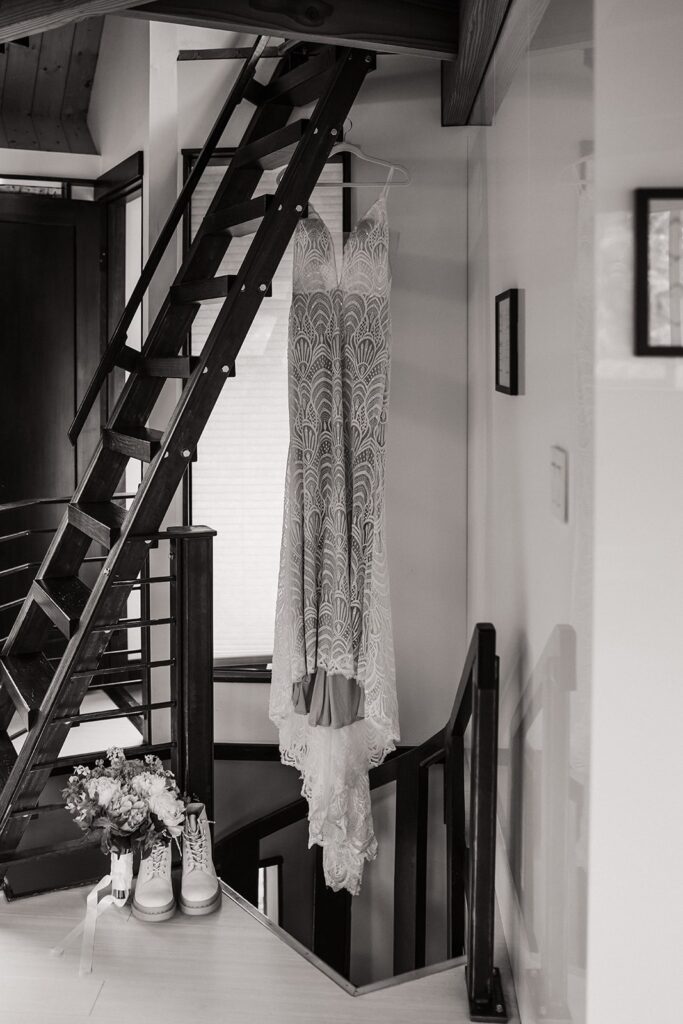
158 856
197 846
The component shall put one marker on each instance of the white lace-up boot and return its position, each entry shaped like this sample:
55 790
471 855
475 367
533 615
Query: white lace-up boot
153 899
200 892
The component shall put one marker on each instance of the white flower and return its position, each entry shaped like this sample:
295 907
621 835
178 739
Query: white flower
103 790
147 784
169 810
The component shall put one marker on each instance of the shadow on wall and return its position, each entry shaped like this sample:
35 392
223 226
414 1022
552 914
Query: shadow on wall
542 798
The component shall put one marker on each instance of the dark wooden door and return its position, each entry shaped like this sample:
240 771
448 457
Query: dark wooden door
50 279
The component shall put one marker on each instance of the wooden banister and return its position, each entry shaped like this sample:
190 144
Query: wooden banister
470 857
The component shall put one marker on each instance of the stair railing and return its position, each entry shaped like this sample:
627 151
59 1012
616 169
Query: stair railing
116 345
186 614
470 843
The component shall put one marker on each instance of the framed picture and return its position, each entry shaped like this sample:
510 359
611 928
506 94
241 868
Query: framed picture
659 271
507 342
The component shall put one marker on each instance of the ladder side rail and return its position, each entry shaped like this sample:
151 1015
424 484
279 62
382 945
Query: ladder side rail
118 339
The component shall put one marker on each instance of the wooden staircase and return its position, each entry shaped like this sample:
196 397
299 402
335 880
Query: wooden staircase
49 698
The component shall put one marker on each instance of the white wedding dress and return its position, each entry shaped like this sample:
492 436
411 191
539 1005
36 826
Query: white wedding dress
333 694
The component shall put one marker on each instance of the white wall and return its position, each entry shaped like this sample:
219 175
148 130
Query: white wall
530 227
636 826
119 102
397 116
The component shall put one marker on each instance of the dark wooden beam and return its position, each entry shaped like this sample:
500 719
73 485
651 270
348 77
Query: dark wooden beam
27 17
481 22
393 26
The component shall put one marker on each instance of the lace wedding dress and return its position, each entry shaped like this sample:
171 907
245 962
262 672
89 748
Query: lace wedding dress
333 694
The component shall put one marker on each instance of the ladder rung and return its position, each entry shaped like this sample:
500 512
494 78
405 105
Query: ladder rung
26 678
99 520
302 84
240 219
63 600
272 150
178 366
135 442
203 290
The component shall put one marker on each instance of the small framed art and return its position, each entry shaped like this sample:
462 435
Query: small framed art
507 342
659 271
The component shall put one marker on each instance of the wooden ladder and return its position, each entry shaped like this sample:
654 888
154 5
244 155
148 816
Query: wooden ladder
46 697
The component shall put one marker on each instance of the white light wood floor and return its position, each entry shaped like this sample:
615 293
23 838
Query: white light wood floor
196 970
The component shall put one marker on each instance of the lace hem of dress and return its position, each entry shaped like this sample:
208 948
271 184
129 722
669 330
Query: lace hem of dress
334 765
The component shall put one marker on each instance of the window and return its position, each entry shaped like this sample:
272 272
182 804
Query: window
237 483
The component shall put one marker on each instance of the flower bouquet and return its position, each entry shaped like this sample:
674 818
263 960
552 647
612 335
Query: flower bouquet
133 804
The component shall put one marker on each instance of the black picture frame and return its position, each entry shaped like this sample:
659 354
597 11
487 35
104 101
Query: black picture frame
651 325
507 342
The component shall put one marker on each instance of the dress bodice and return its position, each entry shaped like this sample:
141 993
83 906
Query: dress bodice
365 260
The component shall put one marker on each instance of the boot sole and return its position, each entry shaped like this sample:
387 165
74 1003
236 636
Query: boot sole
154 915
198 909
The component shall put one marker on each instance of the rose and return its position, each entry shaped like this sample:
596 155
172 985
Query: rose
146 784
169 810
103 790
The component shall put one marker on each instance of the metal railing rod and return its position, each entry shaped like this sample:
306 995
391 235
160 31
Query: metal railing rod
36 565
142 581
128 712
11 604
10 506
130 666
125 650
111 684
98 755
132 624
33 812
25 533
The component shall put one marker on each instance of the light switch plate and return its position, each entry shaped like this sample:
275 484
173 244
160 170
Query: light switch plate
558 483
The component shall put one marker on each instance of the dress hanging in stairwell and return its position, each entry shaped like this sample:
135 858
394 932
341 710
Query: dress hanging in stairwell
333 694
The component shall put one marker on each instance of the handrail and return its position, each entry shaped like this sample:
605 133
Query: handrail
118 339
470 850
12 506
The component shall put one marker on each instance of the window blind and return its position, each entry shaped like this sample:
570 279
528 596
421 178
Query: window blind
238 479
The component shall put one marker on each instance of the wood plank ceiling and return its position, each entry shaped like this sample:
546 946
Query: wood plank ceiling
462 33
45 89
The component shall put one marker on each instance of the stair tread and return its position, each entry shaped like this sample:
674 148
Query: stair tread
203 289
99 520
168 366
241 218
106 512
26 678
135 442
302 84
139 433
271 150
69 592
63 600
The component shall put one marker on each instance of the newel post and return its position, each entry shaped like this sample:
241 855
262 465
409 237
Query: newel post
483 979
191 557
